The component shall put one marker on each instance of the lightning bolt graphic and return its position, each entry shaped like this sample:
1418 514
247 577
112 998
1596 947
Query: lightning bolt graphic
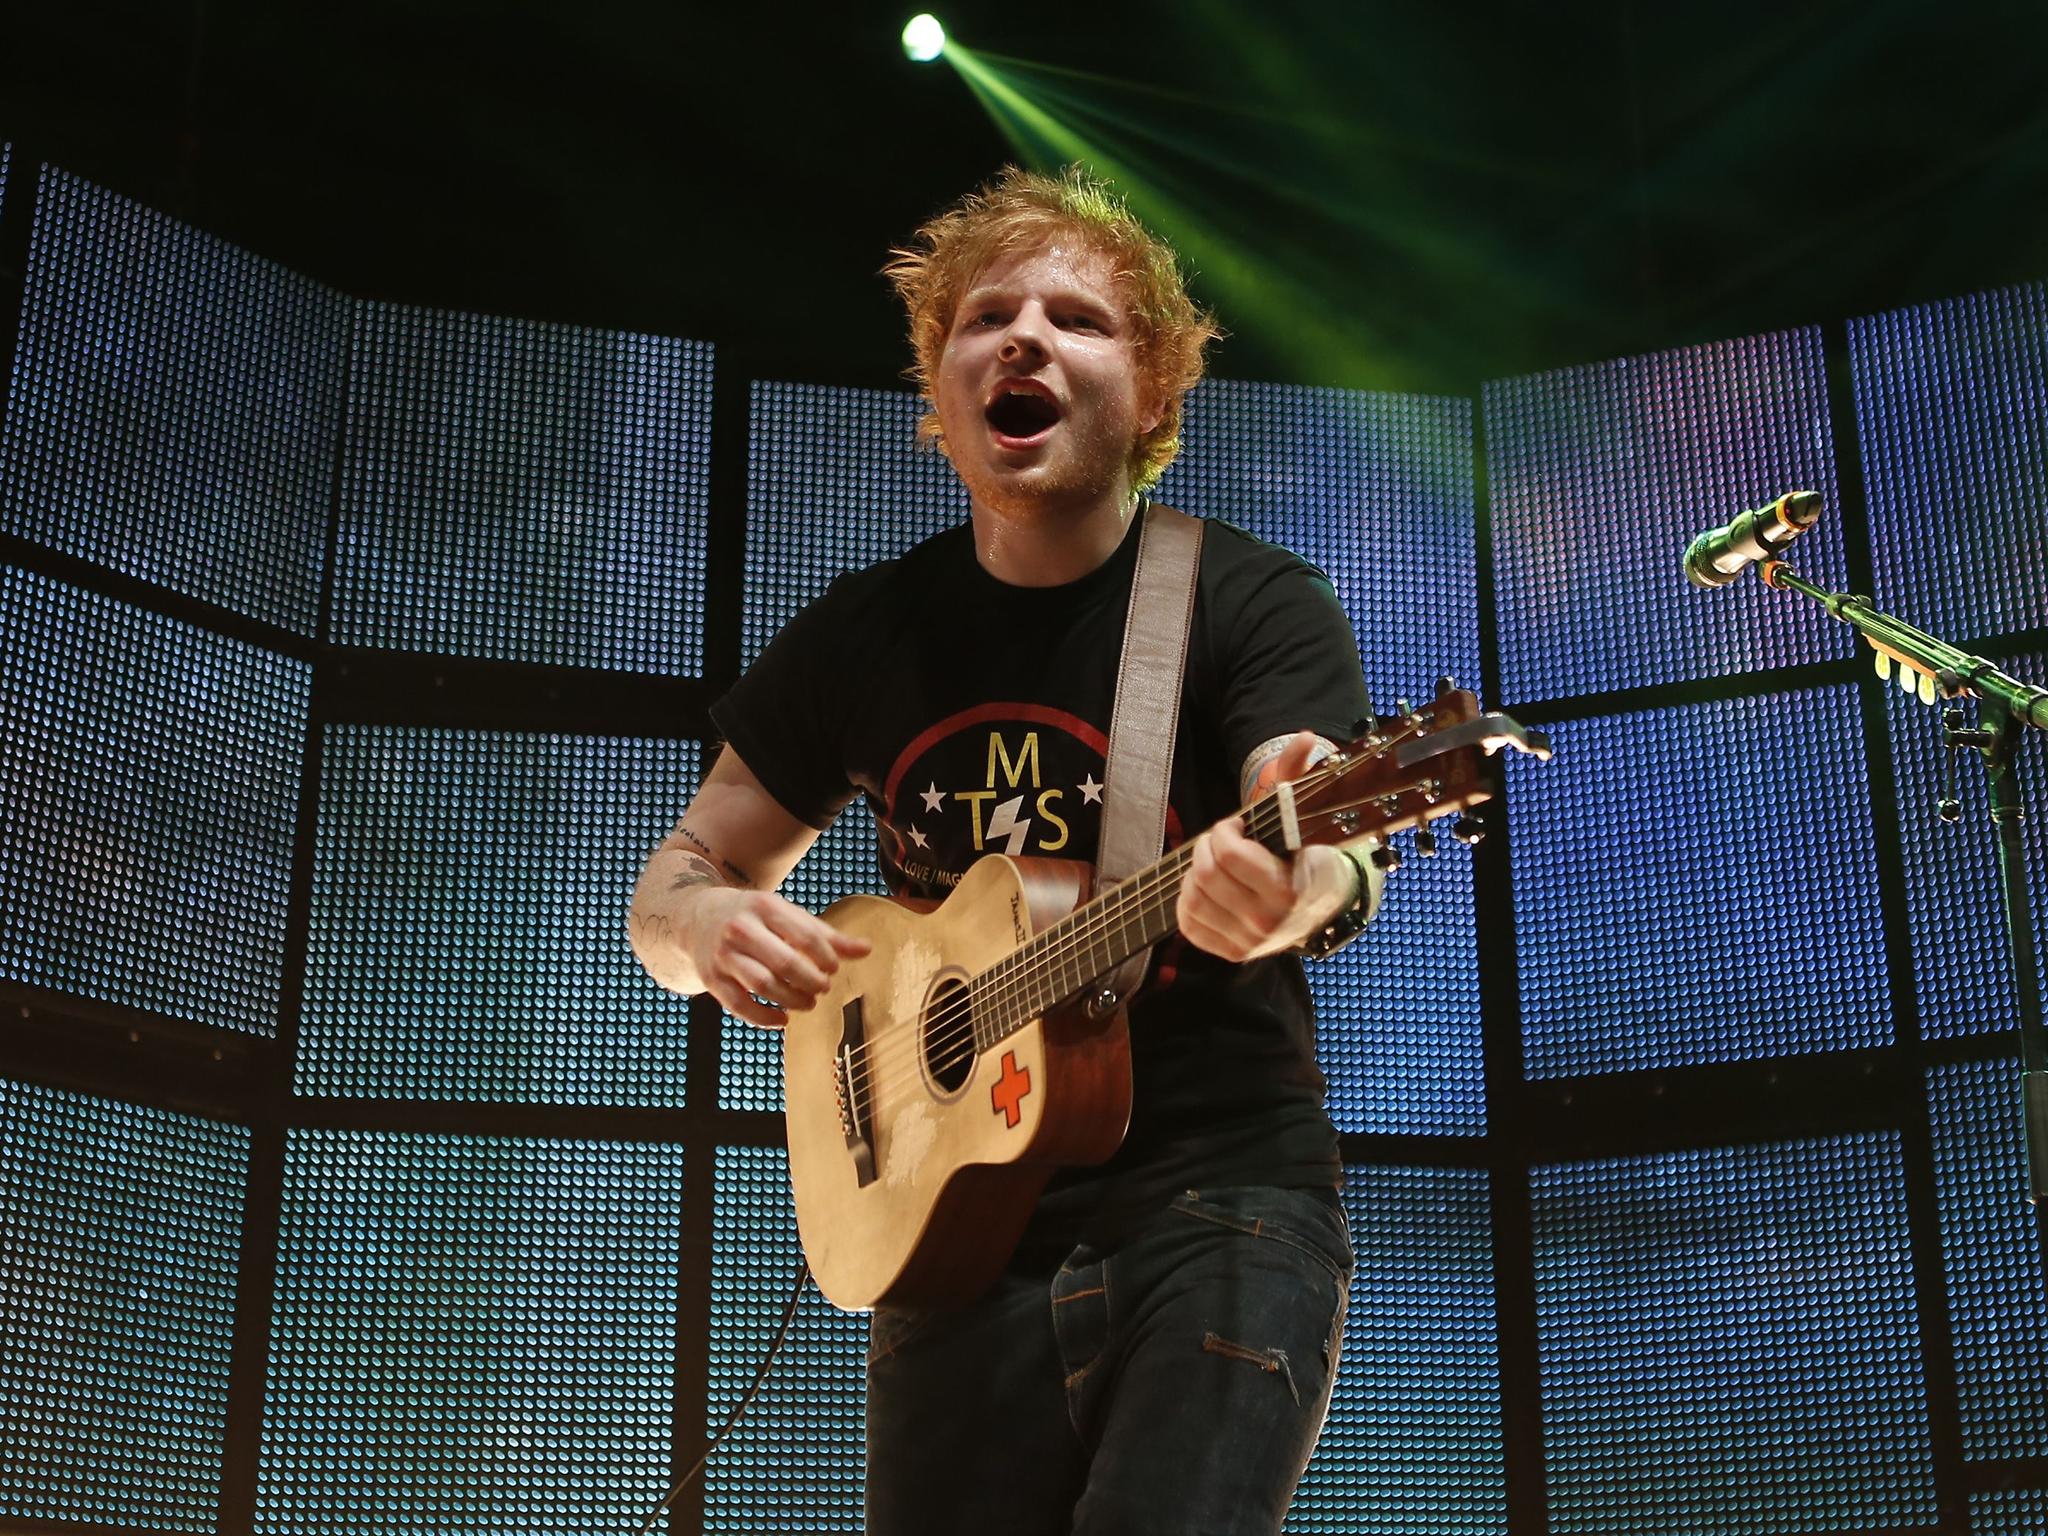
1004 820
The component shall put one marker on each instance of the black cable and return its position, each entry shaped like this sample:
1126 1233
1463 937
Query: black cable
796 1294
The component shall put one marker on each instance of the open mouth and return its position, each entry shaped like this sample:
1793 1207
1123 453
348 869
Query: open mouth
1022 413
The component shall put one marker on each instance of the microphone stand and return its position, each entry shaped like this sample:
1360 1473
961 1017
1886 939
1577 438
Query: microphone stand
2006 707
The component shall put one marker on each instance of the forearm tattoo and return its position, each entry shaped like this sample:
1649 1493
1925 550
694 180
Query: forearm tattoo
717 863
1266 751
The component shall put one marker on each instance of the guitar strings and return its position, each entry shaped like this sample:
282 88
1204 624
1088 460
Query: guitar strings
951 1031
1113 911
951 1034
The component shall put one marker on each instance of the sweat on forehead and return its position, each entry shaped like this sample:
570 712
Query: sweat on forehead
1076 265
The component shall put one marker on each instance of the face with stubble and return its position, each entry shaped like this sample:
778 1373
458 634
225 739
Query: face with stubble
1038 390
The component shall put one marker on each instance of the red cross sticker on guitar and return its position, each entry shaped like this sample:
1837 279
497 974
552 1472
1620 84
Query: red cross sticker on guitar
1006 1094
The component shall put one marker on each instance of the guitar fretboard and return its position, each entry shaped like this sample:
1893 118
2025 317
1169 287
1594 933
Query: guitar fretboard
1054 967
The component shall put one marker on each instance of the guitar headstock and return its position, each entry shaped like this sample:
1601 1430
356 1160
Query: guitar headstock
1404 770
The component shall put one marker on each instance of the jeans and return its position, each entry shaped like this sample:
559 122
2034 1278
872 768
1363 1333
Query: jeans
1172 1382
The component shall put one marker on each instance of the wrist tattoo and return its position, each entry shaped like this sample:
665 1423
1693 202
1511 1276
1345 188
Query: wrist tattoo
710 853
651 925
696 871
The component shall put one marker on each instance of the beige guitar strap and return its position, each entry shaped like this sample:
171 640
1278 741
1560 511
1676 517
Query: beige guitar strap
1146 716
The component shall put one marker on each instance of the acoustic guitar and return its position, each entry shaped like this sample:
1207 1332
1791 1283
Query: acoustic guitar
935 1086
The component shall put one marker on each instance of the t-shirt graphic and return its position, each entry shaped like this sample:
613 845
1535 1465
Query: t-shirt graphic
1012 778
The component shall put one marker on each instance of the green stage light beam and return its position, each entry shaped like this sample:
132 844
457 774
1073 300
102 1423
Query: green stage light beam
1248 288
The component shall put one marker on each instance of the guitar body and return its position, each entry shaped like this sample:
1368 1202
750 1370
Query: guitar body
915 1159
921 1131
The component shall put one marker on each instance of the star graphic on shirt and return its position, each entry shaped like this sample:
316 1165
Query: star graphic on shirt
919 838
931 797
1091 792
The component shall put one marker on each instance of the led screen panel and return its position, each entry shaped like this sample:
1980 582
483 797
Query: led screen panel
2010 1512
470 1333
836 480
796 1460
1413 1440
1991 1250
1698 884
122 1239
1397 1009
1955 900
1952 420
468 938
148 802
524 492
1598 477
1729 1342
174 408
1375 490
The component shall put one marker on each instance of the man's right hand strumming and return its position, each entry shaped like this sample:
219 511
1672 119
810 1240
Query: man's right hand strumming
705 916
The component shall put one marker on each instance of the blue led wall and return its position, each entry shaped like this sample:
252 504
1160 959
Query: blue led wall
1729 1341
120 1241
1998 1302
470 1333
1600 476
524 492
1413 1439
1951 420
1375 490
149 797
795 1460
468 937
175 406
2010 1512
836 480
1698 884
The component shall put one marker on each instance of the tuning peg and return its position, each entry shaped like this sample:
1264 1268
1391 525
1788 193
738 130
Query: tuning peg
1425 841
1387 857
1446 685
1469 830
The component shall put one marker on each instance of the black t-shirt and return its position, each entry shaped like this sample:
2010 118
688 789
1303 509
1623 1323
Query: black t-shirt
974 715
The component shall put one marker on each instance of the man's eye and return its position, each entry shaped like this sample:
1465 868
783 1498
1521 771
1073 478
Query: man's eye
1086 323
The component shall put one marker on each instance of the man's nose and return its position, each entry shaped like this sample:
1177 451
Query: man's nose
1026 335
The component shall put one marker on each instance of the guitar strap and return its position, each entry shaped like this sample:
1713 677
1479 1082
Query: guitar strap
1139 765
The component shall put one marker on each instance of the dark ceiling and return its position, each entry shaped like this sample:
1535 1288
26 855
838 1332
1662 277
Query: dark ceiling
1470 191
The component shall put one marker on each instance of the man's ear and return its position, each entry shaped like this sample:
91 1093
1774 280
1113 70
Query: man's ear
1151 411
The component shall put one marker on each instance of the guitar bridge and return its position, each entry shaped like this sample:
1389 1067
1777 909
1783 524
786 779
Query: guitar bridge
850 1091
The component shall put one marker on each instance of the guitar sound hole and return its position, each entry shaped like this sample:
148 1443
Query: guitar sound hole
948 1035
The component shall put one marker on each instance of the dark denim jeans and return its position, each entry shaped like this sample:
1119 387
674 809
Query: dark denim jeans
1175 1383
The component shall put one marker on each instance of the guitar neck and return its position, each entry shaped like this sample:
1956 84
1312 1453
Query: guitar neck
1055 966
1403 772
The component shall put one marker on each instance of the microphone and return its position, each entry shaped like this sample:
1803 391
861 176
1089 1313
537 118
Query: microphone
1717 557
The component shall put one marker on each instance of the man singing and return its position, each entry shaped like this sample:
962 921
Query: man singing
1158 1354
